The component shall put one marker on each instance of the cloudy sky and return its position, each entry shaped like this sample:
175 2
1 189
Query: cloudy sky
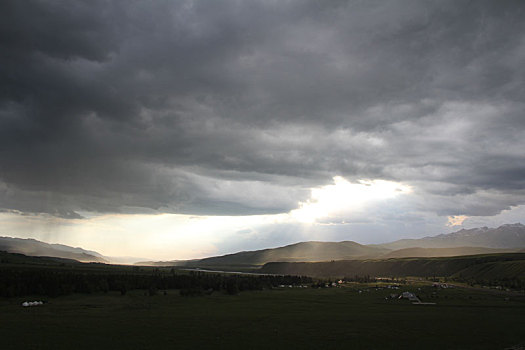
181 129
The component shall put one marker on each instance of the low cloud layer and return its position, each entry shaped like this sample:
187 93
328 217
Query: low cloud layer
238 108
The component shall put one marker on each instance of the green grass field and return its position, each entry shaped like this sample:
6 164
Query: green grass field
295 318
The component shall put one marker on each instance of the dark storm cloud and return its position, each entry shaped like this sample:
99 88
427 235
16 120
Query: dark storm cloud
230 107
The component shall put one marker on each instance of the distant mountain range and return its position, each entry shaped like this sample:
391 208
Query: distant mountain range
504 239
506 236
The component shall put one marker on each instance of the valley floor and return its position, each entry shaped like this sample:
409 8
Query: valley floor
355 316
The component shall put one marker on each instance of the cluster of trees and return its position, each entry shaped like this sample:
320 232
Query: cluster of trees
55 281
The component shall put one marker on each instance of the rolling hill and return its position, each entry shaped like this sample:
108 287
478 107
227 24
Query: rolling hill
32 247
304 251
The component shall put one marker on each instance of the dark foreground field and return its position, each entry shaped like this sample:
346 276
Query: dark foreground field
288 318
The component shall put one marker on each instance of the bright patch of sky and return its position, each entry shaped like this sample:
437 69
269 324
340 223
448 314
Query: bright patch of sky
456 220
344 196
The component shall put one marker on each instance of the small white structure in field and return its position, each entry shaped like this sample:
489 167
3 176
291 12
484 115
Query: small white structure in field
409 296
32 303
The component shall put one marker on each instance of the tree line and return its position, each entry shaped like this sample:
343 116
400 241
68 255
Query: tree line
56 282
